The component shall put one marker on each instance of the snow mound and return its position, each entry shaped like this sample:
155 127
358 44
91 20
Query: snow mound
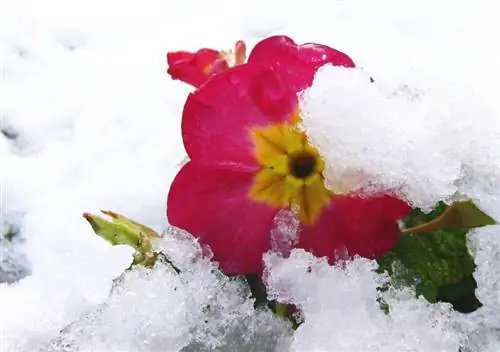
160 309
482 327
425 138
342 312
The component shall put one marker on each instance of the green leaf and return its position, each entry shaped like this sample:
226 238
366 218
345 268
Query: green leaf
132 225
435 259
460 295
459 215
124 231
112 232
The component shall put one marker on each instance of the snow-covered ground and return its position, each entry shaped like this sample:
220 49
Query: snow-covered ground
84 88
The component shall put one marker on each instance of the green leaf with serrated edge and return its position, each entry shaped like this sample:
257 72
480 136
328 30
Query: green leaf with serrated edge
437 263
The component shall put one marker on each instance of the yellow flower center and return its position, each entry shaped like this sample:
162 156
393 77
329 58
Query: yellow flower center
291 173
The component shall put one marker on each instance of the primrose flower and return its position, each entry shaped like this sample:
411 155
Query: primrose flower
249 160
196 68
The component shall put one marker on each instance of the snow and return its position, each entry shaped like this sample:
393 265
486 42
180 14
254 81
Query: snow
13 264
158 309
428 140
341 311
84 88
482 326
285 234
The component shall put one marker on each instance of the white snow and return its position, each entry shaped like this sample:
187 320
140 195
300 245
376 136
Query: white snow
13 265
341 312
83 84
429 140
482 326
199 309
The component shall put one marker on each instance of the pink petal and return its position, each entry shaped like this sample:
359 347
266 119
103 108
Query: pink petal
297 64
195 68
218 116
213 205
363 226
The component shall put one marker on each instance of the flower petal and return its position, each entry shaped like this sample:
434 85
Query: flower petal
240 52
296 63
218 116
213 205
362 226
195 68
